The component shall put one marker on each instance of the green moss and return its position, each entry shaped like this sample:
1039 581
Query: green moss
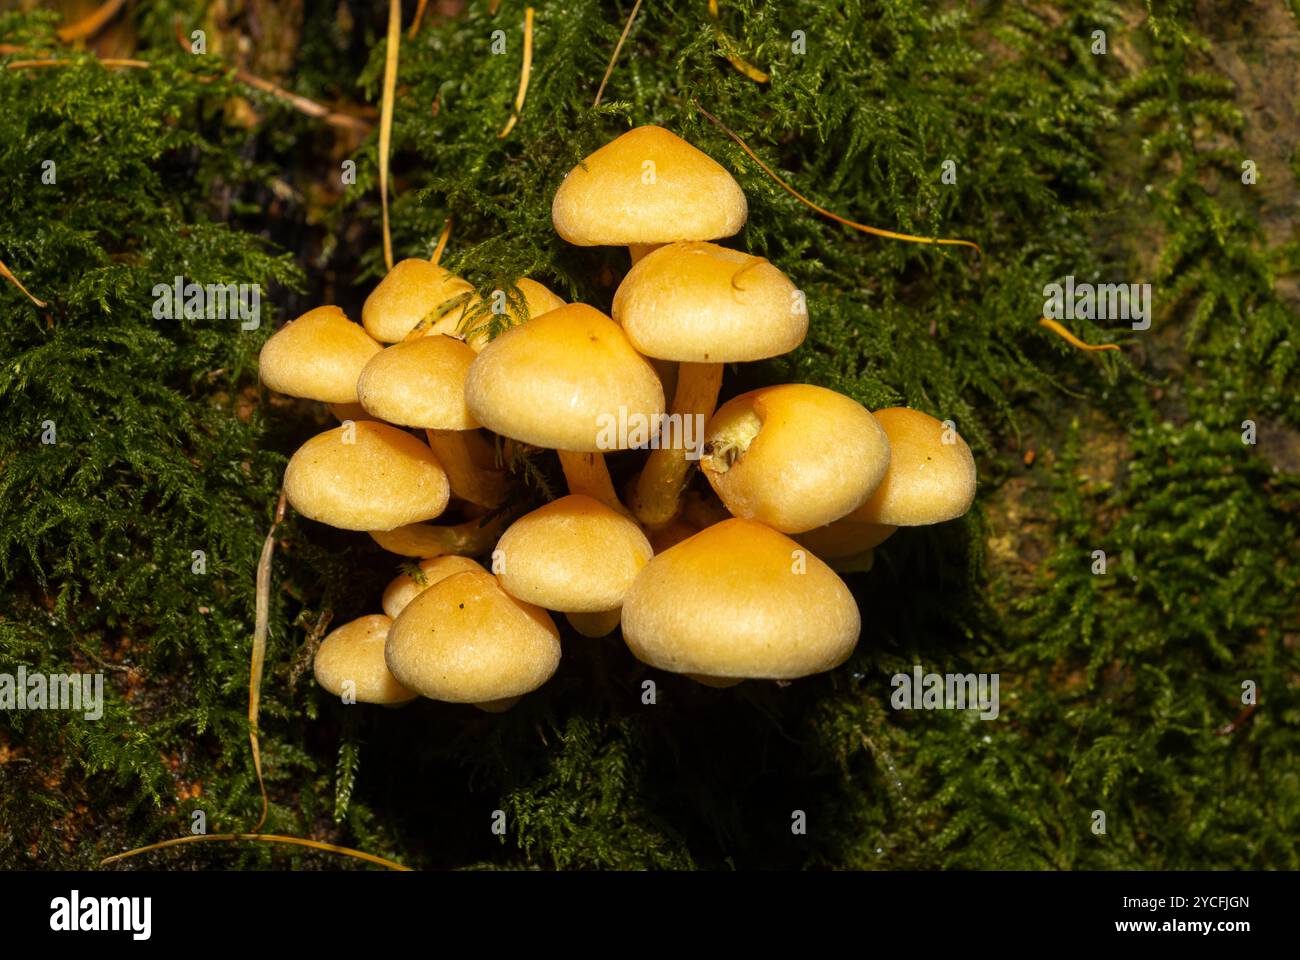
1113 686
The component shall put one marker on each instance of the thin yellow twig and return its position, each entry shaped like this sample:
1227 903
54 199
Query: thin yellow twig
106 61
875 231
260 623
419 15
442 243
8 275
524 73
92 23
302 104
259 838
386 116
1071 339
618 48
728 51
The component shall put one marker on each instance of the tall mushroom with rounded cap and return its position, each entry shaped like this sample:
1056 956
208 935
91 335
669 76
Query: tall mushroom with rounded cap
465 640
350 663
421 383
645 188
411 294
740 600
795 456
317 357
702 305
366 476
567 381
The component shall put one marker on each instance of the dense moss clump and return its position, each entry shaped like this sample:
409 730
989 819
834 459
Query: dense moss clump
1119 689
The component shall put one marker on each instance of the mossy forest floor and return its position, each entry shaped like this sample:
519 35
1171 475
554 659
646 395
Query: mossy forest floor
1116 689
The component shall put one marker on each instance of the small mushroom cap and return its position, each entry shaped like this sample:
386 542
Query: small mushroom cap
404 588
559 381
350 411
702 303
647 186
465 640
317 357
383 478
355 653
574 554
845 538
794 456
595 625
929 479
419 383
412 291
740 600
537 301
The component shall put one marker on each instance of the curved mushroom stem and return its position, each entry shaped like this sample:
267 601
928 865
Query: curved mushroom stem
595 625
425 540
487 488
587 474
663 478
639 250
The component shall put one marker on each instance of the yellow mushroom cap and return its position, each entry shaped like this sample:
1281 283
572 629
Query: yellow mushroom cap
383 478
647 186
597 624
845 538
350 411
537 301
931 475
404 588
412 291
354 654
702 303
419 383
740 600
564 381
465 640
574 554
317 357
794 456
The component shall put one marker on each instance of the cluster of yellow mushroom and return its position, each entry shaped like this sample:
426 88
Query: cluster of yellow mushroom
722 588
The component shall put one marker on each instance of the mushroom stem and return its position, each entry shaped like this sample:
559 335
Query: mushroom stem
468 481
587 474
639 250
595 625
663 478
425 540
